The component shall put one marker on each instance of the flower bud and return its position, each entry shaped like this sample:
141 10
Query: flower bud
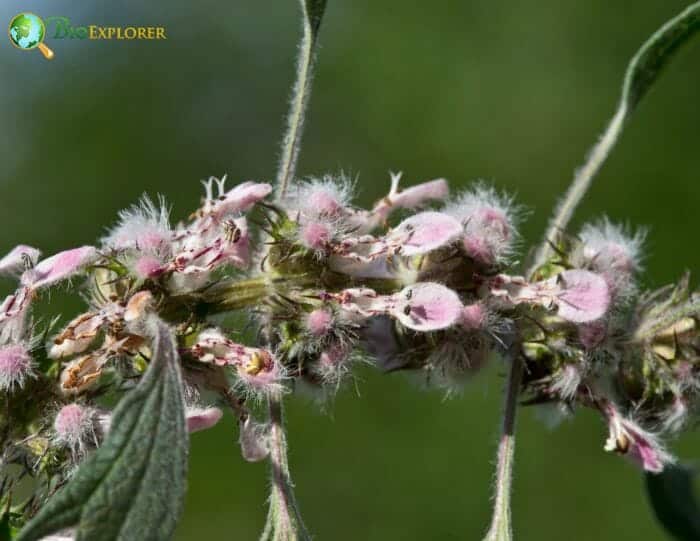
15 366
489 224
319 322
73 424
253 439
148 266
316 235
144 227
609 249
474 316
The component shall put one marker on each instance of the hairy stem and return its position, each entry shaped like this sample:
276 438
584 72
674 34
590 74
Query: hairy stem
579 186
284 522
501 529
300 98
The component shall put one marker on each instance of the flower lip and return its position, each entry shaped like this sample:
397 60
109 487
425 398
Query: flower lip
427 307
424 232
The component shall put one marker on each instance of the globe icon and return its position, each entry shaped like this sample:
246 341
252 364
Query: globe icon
27 32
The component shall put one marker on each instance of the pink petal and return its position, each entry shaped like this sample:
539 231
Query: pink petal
584 296
421 193
646 456
59 267
241 198
427 307
424 232
15 260
202 419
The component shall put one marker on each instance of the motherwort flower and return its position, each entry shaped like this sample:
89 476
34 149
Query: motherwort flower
323 284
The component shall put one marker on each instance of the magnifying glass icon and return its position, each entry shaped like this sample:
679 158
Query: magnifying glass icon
27 32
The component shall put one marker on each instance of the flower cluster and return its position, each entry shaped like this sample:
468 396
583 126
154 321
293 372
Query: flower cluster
327 285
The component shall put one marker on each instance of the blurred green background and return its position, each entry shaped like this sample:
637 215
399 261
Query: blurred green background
512 92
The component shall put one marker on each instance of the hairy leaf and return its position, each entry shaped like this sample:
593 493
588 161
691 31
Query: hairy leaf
642 72
313 12
646 65
133 486
671 495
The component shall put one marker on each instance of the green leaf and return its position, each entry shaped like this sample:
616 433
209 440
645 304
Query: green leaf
312 12
671 495
5 528
133 486
647 64
642 72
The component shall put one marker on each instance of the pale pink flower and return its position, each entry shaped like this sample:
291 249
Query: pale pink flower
427 307
144 227
629 439
59 267
489 220
239 199
423 233
327 197
14 312
257 369
18 259
613 252
202 418
583 296
412 197
579 296
210 244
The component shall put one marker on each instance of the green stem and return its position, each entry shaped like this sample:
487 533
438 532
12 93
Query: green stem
291 144
284 522
579 186
501 529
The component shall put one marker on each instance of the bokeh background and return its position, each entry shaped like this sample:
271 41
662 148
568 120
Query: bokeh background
512 92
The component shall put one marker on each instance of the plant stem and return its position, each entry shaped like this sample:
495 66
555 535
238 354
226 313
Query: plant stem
300 100
580 184
284 522
501 529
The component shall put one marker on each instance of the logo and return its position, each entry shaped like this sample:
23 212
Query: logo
27 31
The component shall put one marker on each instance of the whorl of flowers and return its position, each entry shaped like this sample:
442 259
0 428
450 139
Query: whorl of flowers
431 292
